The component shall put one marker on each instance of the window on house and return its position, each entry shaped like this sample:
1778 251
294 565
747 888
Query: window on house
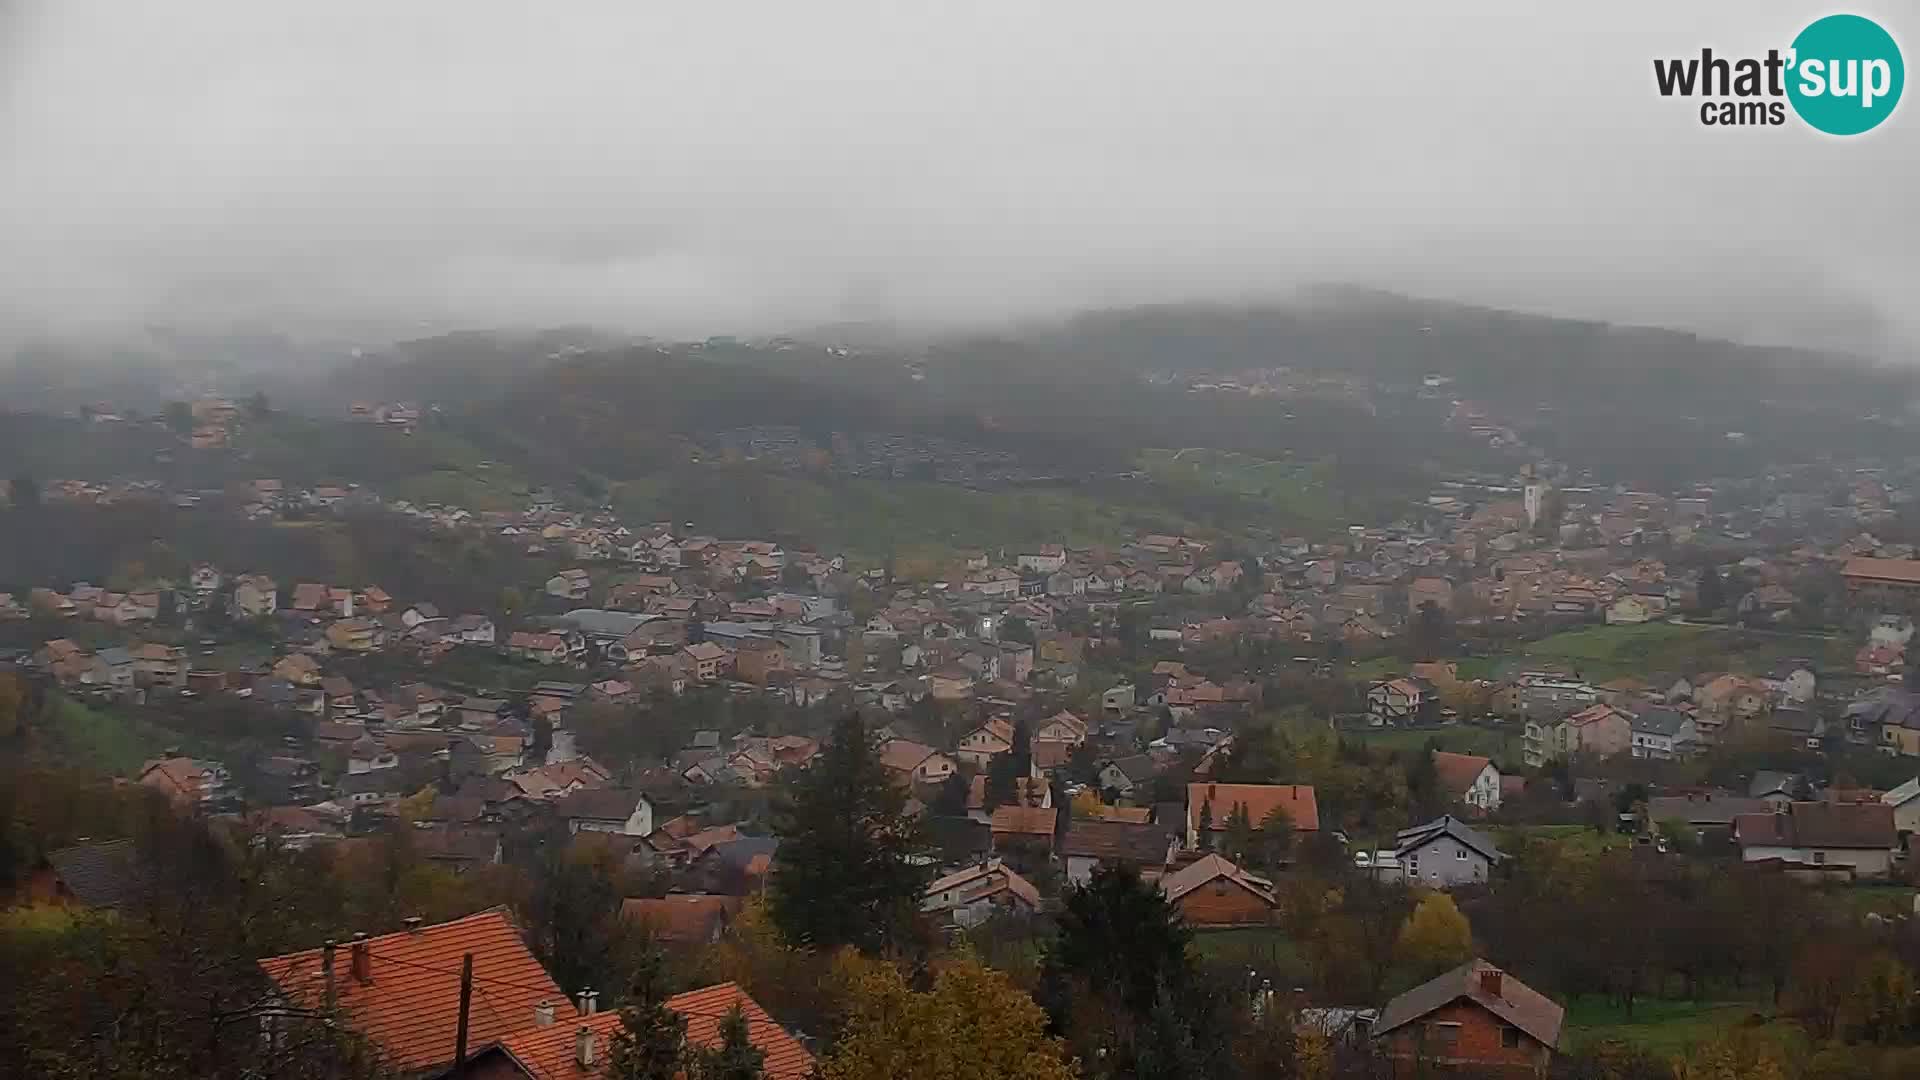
1819 858
1460 853
1443 1035
1510 1037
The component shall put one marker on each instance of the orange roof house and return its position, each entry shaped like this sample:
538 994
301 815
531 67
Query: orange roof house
580 1048
1295 800
402 991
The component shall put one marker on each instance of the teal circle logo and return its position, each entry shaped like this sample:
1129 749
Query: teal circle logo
1846 75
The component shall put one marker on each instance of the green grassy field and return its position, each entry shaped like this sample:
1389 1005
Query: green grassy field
102 738
1605 652
1459 739
1299 491
1663 1026
878 517
1263 948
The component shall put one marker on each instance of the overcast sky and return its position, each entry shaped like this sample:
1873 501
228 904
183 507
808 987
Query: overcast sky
709 167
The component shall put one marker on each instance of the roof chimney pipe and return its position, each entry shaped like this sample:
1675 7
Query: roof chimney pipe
326 970
362 958
1490 982
543 1014
585 1054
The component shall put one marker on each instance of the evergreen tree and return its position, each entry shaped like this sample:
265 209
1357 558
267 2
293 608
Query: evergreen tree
736 1058
1167 1049
652 1039
1239 839
847 867
1120 936
1712 591
1205 830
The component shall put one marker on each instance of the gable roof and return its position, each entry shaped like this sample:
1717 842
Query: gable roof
1516 1003
1302 809
1024 820
1903 794
1663 722
682 917
97 875
547 1053
1457 772
1135 767
1447 825
599 803
1862 826
1117 841
1213 868
410 1008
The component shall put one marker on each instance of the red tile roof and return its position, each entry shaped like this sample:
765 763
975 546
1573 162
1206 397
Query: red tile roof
547 1053
1302 809
1457 772
410 1006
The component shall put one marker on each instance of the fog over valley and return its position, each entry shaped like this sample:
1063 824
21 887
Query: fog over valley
354 171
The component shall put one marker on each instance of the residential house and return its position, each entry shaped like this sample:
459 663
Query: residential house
1475 1019
1015 825
1858 836
1444 853
1087 844
1209 806
97 875
979 746
1710 814
471 629
539 647
1792 682
580 1047
1891 631
254 596
605 810
1062 727
1128 777
1398 702
1470 780
1664 734
572 585
186 782
683 919
159 665
706 661
756 659
401 991
975 893
916 763
299 669
1628 609
355 635
1905 801
1212 892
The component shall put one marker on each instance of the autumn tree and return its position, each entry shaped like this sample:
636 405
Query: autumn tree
1237 844
1436 937
973 1023
848 870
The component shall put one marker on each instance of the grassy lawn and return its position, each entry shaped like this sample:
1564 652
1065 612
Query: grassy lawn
1662 1026
1459 739
1263 948
1293 490
103 738
1605 652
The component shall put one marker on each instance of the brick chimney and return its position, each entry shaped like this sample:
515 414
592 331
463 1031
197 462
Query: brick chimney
1490 982
362 958
412 923
585 1053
